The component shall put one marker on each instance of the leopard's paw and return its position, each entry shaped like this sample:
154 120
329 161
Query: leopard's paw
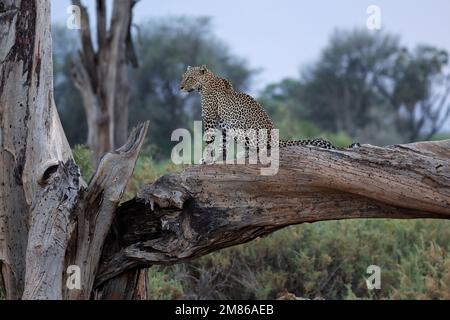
207 161
354 145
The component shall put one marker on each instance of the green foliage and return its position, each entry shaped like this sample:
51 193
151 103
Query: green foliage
280 101
82 157
339 90
414 72
369 86
147 171
341 139
327 260
161 286
283 102
440 136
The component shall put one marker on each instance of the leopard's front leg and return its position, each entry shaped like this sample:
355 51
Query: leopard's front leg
211 123
208 153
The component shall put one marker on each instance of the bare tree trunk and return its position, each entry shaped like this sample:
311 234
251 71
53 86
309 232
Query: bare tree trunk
34 150
49 219
101 75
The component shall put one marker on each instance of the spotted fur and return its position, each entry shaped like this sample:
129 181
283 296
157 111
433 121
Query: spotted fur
225 108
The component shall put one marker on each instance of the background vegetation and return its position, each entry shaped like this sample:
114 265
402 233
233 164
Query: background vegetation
365 87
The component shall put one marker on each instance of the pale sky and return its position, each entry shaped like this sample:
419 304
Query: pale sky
279 37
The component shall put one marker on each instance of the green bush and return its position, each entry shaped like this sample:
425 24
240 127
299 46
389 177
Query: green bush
147 171
82 156
327 260
161 286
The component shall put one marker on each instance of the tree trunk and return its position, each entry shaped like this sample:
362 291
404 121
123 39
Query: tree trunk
101 75
49 219
34 150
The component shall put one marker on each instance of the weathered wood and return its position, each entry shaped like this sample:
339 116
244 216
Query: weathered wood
97 208
206 208
34 153
129 285
51 225
48 218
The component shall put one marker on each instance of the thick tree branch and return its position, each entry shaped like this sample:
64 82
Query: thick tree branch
206 208
97 208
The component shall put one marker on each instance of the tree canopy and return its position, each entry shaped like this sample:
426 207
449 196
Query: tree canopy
370 86
364 86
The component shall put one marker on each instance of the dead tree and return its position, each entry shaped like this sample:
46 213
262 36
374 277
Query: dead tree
51 219
100 75
206 208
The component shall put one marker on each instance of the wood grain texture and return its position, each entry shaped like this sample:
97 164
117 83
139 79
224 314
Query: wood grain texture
97 208
208 207
49 217
35 158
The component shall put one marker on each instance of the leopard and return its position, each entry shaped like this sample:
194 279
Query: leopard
226 109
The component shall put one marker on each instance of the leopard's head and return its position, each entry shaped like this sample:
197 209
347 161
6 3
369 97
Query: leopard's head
194 78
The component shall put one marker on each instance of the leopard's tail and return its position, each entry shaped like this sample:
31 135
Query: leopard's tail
321 143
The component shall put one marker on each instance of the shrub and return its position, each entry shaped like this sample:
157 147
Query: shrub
82 156
327 260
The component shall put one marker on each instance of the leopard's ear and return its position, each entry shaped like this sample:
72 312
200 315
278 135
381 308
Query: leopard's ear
189 67
203 69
